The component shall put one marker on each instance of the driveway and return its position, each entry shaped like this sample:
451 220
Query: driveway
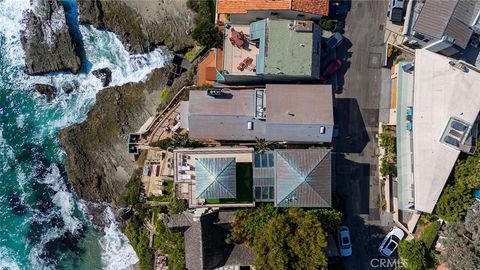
357 110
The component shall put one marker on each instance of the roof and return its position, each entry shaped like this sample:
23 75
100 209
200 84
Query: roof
451 18
241 255
291 52
441 92
226 117
204 245
303 178
286 106
207 67
216 178
318 7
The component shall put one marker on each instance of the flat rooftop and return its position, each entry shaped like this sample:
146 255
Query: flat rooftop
296 113
292 52
404 138
443 90
276 47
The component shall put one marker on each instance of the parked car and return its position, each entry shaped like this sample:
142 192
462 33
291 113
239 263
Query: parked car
334 40
344 241
338 7
333 67
395 10
391 241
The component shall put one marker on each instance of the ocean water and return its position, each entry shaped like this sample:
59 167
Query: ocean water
43 225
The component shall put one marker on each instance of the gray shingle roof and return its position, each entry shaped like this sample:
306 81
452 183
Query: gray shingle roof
216 178
452 18
303 178
205 246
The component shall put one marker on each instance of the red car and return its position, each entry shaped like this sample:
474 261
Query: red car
333 67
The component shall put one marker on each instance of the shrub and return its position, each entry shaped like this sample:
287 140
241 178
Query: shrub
164 94
134 186
139 238
398 60
170 243
430 234
453 203
327 24
207 34
413 252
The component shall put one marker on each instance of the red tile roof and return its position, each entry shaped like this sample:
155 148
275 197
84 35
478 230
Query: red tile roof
319 7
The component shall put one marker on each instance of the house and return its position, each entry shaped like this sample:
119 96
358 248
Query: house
269 50
293 177
251 10
214 176
437 108
237 177
446 26
204 236
290 113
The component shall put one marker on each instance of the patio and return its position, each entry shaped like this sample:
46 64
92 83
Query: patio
235 52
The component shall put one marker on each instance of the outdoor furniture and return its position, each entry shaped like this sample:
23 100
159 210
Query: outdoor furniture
186 177
238 38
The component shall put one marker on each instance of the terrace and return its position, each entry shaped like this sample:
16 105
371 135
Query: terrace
193 173
237 50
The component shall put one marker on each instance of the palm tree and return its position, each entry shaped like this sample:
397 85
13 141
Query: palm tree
263 145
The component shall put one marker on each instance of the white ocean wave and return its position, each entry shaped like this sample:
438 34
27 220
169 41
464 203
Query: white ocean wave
7 260
117 253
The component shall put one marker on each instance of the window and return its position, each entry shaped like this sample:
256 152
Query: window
274 13
263 160
301 15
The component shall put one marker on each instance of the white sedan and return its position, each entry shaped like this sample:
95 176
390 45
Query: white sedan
391 241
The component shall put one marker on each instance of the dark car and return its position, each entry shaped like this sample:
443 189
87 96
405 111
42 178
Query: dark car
333 67
338 7
334 40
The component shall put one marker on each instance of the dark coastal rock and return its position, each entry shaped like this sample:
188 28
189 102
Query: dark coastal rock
105 76
142 25
69 87
46 40
47 90
98 165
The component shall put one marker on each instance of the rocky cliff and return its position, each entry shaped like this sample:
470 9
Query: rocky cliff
142 25
46 40
98 164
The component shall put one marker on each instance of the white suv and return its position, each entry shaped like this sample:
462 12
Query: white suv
391 241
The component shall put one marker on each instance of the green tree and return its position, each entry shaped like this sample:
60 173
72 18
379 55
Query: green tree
330 219
177 205
294 240
454 203
207 34
413 252
248 222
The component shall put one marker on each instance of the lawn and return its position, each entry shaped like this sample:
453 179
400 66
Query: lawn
244 186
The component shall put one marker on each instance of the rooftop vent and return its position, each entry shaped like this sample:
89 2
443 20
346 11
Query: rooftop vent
250 125
214 92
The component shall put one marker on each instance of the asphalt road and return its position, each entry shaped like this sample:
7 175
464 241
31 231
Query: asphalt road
356 111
